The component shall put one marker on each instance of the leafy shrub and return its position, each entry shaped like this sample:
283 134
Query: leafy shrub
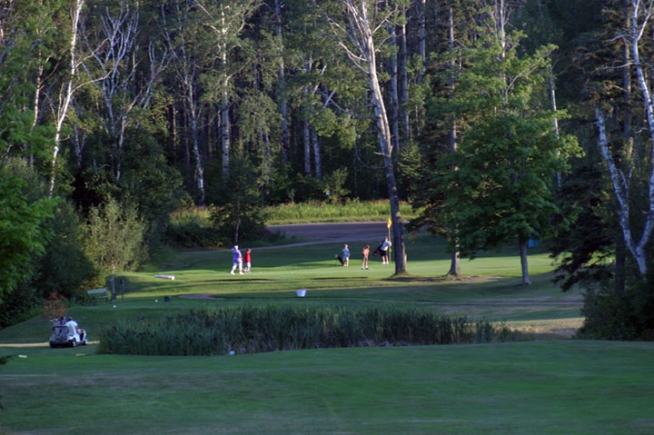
116 238
65 267
610 315
193 235
249 329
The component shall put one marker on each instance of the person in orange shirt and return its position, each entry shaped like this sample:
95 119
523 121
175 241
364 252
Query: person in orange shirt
365 253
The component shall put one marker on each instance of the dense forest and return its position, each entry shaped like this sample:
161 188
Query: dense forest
500 120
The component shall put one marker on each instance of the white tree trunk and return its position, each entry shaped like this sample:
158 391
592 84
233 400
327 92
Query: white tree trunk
455 261
283 106
306 141
362 52
422 39
641 14
316 153
621 190
225 143
67 92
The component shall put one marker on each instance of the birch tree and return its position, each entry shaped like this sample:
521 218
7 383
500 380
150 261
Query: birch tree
125 89
622 180
181 34
225 21
63 99
356 36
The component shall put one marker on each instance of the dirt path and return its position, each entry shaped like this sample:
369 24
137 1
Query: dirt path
334 232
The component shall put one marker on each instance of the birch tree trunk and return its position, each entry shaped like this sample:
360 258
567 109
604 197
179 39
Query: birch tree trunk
125 90
316 153
67 91
422 39
403 78
225 142
356 38
455 263
641 14
621 191
306 141
394 92
283 107
187 72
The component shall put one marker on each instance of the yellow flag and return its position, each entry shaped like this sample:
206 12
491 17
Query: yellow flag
389 224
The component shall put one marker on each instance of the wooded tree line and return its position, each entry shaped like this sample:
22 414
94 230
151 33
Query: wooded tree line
503 120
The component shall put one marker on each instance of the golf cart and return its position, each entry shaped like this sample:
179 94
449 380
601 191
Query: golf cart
66 333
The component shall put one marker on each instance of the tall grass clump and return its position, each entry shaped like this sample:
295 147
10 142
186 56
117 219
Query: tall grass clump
247 329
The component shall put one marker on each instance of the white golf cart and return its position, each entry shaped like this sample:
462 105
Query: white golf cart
67 333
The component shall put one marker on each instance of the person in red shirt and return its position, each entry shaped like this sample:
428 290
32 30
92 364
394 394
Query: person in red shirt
248 260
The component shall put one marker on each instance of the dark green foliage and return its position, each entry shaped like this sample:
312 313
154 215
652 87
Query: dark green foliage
627 315
409 168
192 233
307 188
19 304
64 267
335 185
276 328
148 181
238 214
23 233
585 246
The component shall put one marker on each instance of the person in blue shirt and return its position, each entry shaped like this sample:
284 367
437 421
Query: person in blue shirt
345 254
237 260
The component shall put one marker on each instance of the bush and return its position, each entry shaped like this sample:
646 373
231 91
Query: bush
610 315
193 235
116 238
64 268
276 328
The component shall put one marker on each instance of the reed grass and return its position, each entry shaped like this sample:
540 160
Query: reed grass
254 329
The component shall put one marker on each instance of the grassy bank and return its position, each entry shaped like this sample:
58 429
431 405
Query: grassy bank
350 211
314 212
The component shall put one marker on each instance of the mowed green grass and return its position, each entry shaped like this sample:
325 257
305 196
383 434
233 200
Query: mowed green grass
553 385
531 388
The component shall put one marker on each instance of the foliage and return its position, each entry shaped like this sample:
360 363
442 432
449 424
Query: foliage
501 188
115 239
584 248
23 233
334 184
192 229
626 315
65 267
409 168
307 188
238 214
147 180
497 187
266 329
19 304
